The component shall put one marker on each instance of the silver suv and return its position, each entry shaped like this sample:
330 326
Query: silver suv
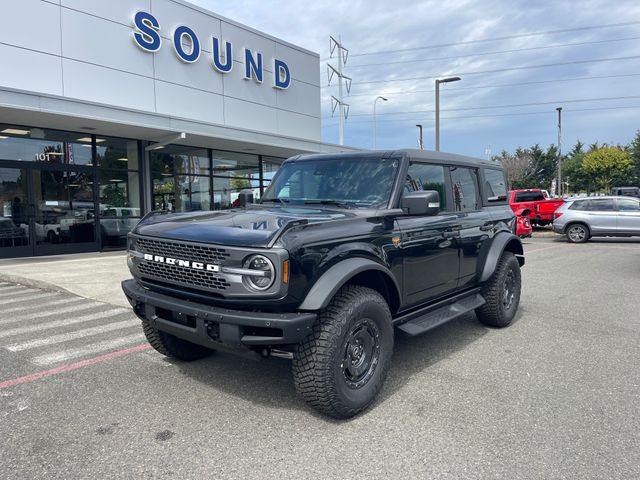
582 218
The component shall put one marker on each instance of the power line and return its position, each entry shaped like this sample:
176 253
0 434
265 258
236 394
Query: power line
495 39
510 69
515 114
516 84
513 105
497 52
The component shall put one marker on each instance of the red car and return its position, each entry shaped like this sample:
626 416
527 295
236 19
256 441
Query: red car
523 225
540 208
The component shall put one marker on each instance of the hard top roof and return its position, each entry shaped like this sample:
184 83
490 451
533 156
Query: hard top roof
412 153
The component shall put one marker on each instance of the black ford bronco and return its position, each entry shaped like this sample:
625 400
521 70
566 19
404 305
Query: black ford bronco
340 250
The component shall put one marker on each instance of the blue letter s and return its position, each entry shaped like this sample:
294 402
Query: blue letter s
146 34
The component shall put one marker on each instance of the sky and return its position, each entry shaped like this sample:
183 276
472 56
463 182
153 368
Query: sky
518 60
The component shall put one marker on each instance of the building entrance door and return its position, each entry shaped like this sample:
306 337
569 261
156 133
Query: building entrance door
14 215
47 210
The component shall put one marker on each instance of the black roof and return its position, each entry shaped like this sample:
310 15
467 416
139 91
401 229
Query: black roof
412 153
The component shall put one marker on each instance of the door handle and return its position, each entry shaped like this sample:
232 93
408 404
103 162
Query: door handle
450 233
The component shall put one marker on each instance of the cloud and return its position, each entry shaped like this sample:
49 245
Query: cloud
373 26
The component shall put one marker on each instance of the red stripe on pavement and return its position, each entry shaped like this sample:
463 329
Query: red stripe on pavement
73 366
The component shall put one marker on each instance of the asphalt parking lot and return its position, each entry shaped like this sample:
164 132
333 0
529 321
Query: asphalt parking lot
556 395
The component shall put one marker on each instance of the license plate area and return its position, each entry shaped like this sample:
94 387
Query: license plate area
176 317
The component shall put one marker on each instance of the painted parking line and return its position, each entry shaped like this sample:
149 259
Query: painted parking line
66 355
46 304
24 300
63 323
50 313
73 366
65 337
19 291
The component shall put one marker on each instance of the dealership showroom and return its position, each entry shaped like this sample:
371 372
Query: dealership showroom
122 108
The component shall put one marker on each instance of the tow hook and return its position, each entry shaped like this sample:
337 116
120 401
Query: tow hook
267 352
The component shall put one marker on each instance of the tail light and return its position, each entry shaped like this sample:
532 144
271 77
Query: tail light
556 215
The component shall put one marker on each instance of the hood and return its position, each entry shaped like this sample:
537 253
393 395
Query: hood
252 227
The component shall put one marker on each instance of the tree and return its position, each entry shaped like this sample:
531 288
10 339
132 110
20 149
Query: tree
517 167
239 183
634 151
608 165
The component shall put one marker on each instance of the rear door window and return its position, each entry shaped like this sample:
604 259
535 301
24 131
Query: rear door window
495 186
601 205
579 205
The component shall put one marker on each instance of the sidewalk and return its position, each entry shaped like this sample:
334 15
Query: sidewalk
90 275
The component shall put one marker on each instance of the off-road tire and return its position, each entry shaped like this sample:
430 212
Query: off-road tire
319 370
172 346
496 312
577 238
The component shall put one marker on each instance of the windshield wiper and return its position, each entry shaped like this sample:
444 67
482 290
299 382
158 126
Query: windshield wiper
326 202
274 200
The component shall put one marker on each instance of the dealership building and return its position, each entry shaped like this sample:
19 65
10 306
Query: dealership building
111 109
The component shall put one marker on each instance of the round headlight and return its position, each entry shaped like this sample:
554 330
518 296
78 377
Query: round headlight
263 281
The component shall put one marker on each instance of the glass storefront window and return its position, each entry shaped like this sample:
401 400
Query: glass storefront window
226 191
182 160
45 146
232 164
119 189
181 193
119 194
117 153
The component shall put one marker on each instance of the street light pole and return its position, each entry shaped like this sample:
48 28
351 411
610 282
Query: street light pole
438 82
559 109
374 118
420 142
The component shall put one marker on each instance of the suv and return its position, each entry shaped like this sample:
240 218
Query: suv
582 218
341 250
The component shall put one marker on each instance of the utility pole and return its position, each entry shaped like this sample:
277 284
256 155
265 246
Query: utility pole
384 99
420 142
343 55
559 109
438 82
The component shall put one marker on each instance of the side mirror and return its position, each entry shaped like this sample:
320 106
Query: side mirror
245 197
421 202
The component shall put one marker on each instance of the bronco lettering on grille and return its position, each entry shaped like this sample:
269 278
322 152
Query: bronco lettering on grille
209 267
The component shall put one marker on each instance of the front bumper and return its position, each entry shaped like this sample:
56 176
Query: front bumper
212 326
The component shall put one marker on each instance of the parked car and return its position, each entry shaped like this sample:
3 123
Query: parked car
583 218
117 222
523 225
341 249
541 208
10 234
626 191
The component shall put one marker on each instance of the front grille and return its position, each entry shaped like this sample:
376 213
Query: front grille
184 251
184 275
173 273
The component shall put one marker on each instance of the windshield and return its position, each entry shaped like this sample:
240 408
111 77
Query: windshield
349 182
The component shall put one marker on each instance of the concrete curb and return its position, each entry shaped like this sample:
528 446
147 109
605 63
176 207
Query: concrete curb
40 284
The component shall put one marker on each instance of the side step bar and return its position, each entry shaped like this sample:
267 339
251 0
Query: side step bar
422 322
